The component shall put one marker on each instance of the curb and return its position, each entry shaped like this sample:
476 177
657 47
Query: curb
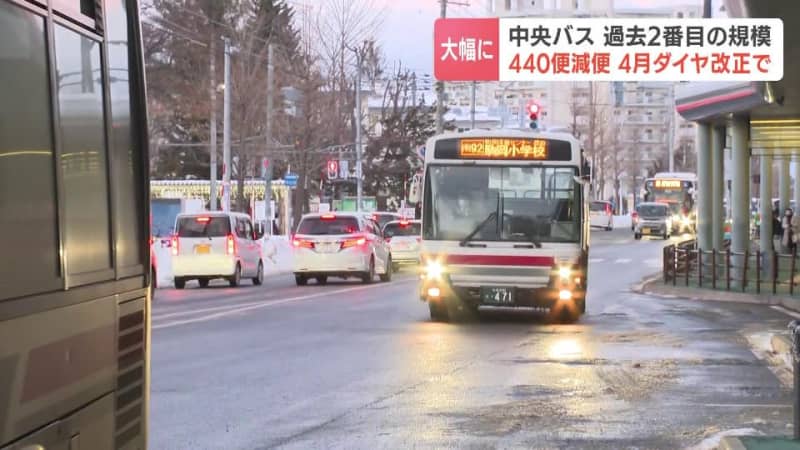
731 443
650 287
639 288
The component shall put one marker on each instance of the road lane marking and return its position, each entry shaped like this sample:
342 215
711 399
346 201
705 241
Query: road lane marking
595 260
234 309
622 261
653 262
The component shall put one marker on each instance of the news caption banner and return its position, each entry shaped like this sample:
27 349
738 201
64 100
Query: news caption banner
608 49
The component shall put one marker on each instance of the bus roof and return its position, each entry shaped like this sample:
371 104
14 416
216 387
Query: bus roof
676 175
507 133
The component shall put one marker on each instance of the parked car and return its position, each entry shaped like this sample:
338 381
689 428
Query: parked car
212 245
655 219
404 238
601 215
344 245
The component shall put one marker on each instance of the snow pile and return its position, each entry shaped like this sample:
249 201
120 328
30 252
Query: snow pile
622 221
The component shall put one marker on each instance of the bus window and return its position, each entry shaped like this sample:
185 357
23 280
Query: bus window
28 225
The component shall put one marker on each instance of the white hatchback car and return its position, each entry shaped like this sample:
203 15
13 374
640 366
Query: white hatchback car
213 245
600 215
341 245
404 237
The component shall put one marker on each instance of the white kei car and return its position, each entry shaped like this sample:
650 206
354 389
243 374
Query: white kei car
213 245
344 245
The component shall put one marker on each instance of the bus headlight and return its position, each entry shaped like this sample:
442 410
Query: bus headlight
433 270
686 221
564 273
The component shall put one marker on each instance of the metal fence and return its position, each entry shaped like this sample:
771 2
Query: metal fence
749 271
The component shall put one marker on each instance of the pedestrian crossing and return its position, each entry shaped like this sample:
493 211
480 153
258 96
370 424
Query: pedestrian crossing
651 262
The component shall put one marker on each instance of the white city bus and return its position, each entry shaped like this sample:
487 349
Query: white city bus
504 223
679 191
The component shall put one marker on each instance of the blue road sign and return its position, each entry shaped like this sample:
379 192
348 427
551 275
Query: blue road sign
290 179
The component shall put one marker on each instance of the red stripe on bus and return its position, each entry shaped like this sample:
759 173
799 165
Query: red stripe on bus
62 363
501 260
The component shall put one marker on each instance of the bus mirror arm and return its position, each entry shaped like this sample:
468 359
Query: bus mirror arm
583 181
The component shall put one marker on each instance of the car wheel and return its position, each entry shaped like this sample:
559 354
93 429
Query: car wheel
438 311
387 276
180 283
153 282
395 268
300 280
637 236
370 275
236 279
322 279
203 282
258 280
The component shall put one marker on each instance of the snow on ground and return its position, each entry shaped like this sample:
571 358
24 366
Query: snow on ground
622 221
276 250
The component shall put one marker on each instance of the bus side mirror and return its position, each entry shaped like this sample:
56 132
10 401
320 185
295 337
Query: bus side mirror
586 171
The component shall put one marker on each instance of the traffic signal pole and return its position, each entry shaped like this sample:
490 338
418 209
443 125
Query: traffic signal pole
359 177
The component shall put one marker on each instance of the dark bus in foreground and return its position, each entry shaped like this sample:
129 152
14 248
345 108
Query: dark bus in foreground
74 226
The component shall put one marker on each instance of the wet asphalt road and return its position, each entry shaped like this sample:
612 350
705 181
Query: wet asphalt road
352 366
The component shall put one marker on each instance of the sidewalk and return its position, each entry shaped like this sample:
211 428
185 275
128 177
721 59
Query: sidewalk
655 285
779 345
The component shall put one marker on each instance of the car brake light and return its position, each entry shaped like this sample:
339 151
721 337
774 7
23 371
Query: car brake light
328 216
354 242
403 223
231 245
302 243
203 219
174 245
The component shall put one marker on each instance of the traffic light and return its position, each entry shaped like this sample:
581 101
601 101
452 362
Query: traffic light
333 169
533 114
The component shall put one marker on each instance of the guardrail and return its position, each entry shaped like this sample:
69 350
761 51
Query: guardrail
684 263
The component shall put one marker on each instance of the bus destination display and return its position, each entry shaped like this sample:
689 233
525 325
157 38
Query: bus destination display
496 148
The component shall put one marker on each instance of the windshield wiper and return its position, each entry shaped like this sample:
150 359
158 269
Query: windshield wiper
480 226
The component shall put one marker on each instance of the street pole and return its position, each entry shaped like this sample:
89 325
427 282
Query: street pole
359 184
440 84
268 132
226 131
212 194
671 129
472 108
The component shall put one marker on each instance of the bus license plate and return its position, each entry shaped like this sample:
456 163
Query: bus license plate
497 296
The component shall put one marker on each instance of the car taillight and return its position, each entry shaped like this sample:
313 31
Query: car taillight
388 239
231 248
608 209
419 240
354 242
302 243
174 245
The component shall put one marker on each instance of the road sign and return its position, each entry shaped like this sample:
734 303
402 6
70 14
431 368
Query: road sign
290 179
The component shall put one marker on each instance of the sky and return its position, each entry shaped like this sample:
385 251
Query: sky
406 33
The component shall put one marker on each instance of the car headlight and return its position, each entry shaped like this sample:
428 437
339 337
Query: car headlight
564 272
433 270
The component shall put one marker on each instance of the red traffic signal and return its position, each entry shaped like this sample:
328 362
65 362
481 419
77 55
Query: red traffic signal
533 110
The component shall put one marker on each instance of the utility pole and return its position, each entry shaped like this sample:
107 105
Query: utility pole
440 84
472 108
671 129
268 132
226 131
359 183
212 90
414 89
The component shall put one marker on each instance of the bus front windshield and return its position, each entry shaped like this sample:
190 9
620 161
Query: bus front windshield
501 203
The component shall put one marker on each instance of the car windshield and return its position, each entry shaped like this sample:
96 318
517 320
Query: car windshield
203 226
323 225
402 229
598 206
508 203
652 210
